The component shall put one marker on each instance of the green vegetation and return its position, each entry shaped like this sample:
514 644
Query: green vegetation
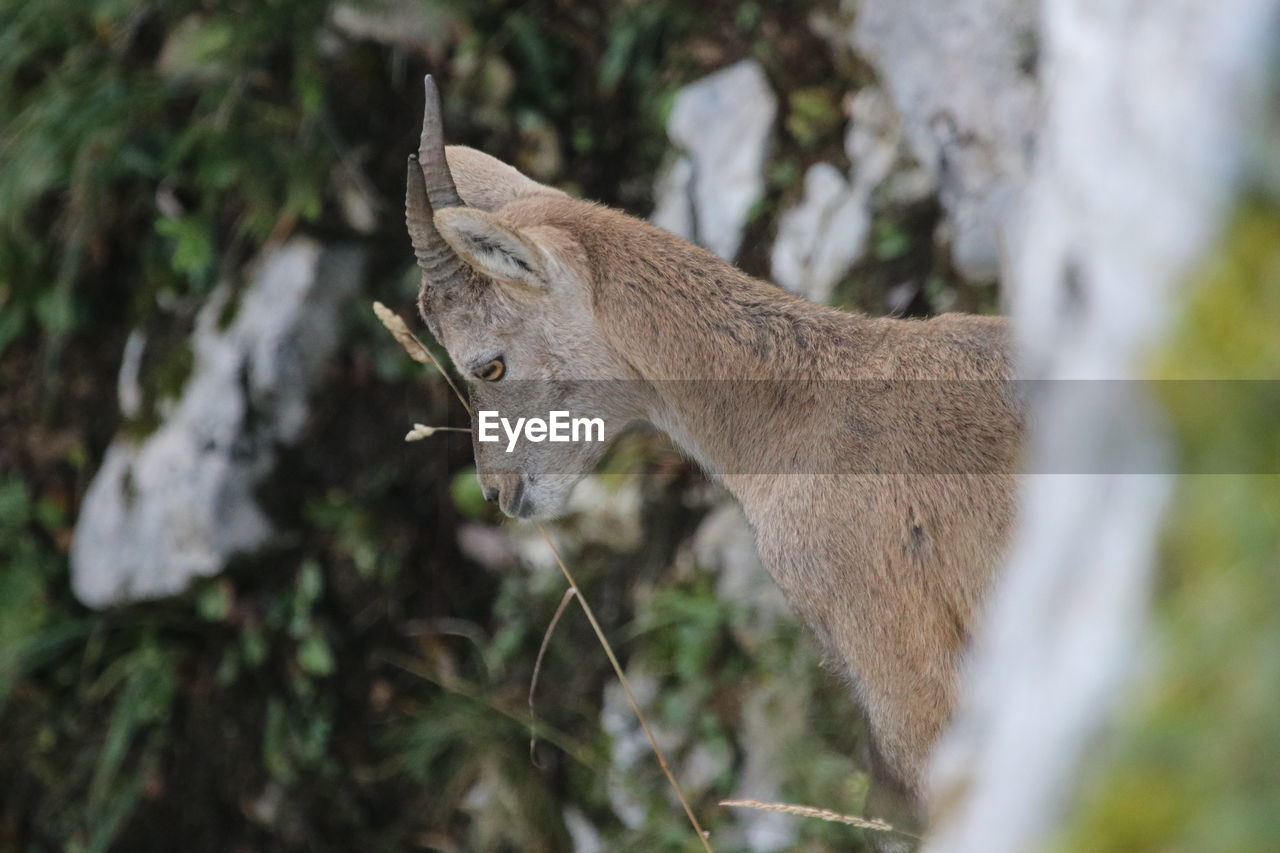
1194 764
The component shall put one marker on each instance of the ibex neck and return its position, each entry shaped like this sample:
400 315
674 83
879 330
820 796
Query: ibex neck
727 356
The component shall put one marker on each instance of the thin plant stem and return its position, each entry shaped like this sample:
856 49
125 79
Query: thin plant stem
626 686
414 347
537 668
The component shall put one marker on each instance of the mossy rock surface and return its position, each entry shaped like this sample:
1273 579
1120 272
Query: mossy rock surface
1195 766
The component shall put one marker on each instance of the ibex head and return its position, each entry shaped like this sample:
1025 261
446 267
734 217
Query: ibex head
507 290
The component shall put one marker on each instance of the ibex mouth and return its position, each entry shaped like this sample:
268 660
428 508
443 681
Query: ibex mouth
516 502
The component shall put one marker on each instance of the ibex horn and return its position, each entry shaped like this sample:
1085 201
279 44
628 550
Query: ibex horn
430 188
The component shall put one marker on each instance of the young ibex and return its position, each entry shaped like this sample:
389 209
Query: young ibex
880 497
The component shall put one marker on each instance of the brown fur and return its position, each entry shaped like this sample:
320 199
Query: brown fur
887 552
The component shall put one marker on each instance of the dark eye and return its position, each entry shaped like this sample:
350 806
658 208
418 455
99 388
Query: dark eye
492 371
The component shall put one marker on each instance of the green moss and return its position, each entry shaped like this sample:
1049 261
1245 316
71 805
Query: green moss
467 496
164 381
814 114
1194 766
230 310
138 428
171 376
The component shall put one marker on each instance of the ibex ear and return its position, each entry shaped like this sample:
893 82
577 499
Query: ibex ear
492 248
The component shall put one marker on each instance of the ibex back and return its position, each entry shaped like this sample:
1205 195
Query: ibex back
873 457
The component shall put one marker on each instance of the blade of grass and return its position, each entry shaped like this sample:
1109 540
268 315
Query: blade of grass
414 347
537 668
466 690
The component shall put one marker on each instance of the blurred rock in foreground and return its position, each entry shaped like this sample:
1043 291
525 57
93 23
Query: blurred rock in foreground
180 503
1138 167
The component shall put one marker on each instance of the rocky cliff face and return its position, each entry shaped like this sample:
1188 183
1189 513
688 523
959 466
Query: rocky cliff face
180 503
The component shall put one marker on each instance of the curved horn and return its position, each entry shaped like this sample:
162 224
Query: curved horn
440 265
435 168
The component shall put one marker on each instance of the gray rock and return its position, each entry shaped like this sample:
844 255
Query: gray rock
878 153
405 24
128 386
725 545
702 765
820 239
674 208
181 503
721 124
582 832
629 746
773 717
961 74
488 545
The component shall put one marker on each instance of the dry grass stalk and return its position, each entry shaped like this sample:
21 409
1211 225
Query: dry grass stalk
422 355
537 669
626 687
421 431
816 813
414 347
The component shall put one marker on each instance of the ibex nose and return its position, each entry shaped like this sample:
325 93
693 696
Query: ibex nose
507 488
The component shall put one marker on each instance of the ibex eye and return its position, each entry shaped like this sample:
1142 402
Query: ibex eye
492 371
